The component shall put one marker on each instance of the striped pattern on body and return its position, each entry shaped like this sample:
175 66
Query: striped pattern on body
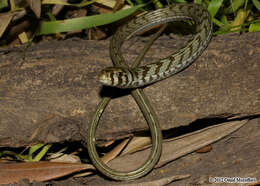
124 77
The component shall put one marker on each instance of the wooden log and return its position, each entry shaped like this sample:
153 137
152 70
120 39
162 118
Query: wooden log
49 92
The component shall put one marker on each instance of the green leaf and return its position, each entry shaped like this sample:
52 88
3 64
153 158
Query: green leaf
13 154
61 2
214 6
228 28
157 4
51 16
245 4
224 19
235 5
257 4
3 4
130 2
198 1
139 2
50 27
180 1
34 148
44 150
254 27
217 22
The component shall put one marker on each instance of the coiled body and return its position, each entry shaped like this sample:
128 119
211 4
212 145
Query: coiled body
123 77
132 78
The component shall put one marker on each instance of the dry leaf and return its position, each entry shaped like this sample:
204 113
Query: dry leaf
175 148
204 149
57 8
110 3
61 157
35 5
136 143
119 4
37 171
180 146
23 37
113 153
5 20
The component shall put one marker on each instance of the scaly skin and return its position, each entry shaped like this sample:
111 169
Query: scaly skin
132 78
123 77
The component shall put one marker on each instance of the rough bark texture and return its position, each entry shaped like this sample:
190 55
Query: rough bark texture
51 91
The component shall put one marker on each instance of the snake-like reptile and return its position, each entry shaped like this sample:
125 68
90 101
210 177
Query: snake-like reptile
131 78
123 76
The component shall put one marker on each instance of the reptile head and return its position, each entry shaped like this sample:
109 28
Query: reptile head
113 76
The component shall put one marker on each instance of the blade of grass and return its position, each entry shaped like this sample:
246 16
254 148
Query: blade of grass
214 6
51 16
240 18
3 4
130 2
245 5
254 27
217 22
198 1
13 155
34 148
227 29
257 4
180 1
157 3
234 6
51 27
42 153
224 19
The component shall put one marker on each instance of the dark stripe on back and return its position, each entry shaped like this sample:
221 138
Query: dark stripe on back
159 65
126 79
169 65
112 78
150 78
120 79
182 55
191 48
145 71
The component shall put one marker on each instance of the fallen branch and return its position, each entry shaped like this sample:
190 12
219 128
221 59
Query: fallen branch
50 93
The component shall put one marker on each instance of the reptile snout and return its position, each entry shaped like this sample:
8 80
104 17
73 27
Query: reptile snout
111 76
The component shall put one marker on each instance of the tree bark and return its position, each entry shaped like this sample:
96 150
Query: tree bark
50 92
